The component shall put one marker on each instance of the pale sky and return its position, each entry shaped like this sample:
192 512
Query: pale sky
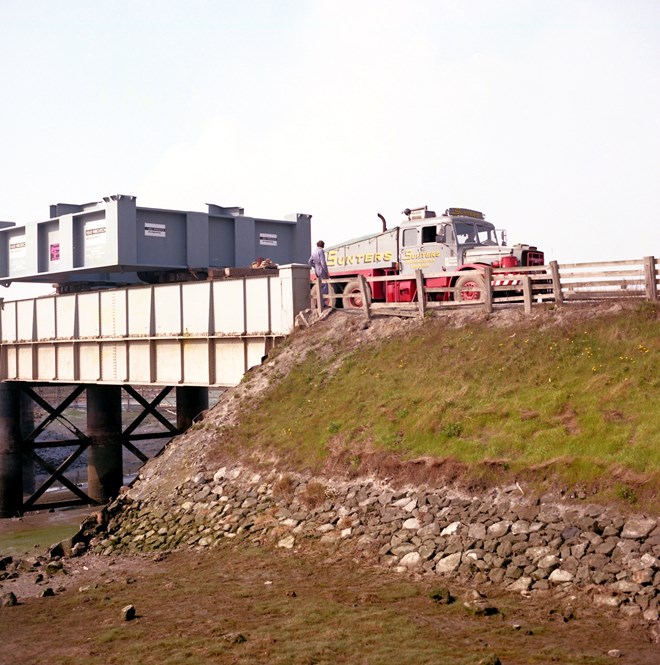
544 115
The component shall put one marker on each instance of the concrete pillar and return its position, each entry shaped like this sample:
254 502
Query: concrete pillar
27 427
190 402
11 470
104 455
295 288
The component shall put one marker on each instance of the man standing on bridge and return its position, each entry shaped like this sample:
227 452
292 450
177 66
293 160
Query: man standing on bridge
317 262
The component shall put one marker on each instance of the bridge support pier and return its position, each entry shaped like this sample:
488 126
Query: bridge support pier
27 426
104 457
11 463
190 402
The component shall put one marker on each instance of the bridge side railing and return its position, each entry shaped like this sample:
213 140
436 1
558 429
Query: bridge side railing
206 333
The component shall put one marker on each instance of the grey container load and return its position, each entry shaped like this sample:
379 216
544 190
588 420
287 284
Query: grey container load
112 240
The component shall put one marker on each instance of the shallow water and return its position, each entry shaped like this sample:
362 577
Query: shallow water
35 532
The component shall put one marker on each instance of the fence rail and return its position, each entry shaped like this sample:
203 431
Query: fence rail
526 286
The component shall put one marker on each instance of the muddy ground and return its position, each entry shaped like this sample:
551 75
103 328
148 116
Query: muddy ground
246 604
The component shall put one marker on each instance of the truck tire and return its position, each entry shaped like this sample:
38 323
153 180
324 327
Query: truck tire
329 300
353 296
469 288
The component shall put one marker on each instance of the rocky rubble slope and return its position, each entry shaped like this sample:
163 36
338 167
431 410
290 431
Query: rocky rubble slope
503 539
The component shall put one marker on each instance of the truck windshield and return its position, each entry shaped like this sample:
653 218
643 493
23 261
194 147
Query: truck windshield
470 233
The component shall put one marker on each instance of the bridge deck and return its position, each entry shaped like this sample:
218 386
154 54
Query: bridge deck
188 334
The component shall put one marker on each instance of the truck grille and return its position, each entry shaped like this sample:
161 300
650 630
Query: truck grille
532 258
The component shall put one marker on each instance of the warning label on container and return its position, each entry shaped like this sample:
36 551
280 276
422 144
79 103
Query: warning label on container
95 233
17 248
269 239
17 255
155 230
95 242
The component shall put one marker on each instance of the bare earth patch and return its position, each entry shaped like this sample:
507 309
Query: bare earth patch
242 604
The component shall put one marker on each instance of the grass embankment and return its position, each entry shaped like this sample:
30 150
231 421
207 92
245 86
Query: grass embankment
575 404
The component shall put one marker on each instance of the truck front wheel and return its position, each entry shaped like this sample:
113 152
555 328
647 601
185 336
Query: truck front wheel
353 295
469 288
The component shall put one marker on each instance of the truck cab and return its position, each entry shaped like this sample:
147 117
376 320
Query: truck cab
460 237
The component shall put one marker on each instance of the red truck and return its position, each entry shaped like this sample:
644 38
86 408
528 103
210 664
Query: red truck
458 240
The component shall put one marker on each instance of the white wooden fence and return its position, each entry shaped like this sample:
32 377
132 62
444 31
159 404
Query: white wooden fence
525 286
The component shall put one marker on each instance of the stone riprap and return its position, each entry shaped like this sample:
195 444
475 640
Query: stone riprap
502 539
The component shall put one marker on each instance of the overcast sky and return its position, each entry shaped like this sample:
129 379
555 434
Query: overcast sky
544 115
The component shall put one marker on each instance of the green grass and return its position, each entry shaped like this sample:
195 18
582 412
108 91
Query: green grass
584 394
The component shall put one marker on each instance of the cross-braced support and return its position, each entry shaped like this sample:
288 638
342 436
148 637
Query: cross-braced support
103 441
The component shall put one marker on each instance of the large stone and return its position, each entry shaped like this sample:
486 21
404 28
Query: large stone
385 498
234 473
499 529
570 532
535 553
496 575
429 531
606 547
521 584
451 529
449 563
520 527
410 506
128 613
625 586
559 576
477 531
640 563
412 523
426 551
411 560
403 549
549 561
638 528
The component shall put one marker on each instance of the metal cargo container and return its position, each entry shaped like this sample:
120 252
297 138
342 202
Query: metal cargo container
114 241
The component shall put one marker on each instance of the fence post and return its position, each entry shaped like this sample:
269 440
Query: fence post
364 289
527 293
421 295
488 289
319 301
556 283
651 278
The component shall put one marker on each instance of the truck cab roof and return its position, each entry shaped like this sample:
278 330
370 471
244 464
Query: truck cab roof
418 214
